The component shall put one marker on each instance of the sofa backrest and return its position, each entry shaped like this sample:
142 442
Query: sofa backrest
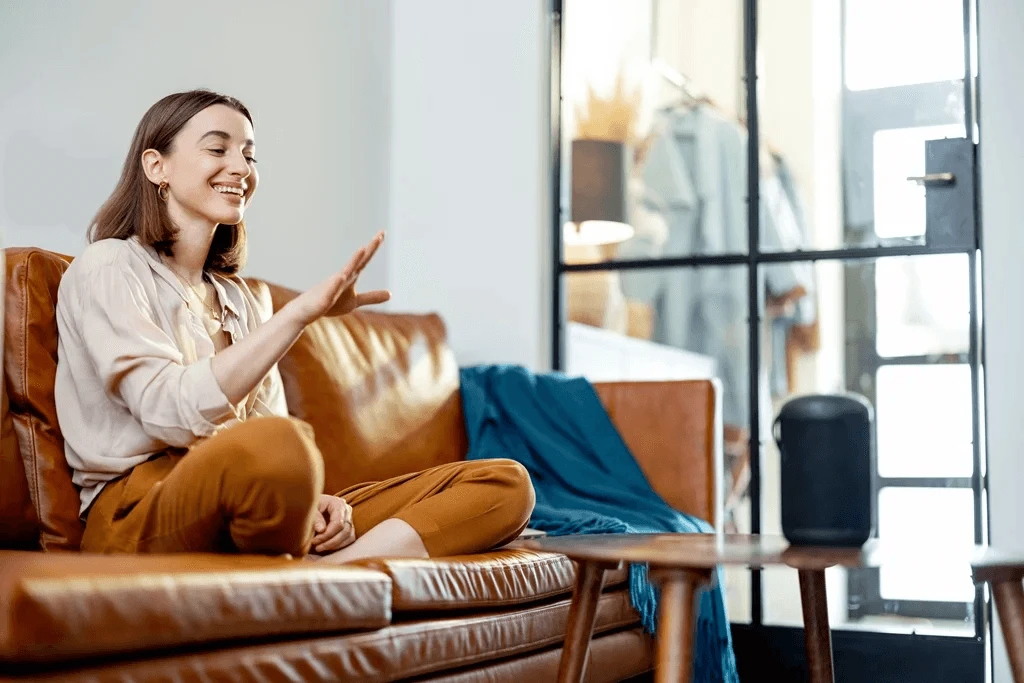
380 390
30 367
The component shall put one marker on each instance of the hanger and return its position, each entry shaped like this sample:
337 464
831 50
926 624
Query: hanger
681 82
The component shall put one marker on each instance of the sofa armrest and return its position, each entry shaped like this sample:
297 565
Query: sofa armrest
674 430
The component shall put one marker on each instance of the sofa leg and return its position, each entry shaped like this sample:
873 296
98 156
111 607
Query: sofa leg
582 611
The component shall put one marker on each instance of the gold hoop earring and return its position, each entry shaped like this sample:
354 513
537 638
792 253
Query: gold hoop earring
162 190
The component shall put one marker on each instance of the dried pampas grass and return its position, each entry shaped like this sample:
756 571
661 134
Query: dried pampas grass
614 118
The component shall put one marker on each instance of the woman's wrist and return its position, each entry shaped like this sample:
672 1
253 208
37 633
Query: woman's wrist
292 317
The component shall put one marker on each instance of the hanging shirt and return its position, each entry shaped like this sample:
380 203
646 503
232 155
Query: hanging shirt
697 170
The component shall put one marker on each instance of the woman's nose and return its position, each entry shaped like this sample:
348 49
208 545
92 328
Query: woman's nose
240 166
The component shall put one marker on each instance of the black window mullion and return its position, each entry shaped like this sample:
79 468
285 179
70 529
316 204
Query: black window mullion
753 288
938 359
926 482
555 133
763 258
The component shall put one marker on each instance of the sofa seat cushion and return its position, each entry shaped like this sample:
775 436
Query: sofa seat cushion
60 606
402 651
488 580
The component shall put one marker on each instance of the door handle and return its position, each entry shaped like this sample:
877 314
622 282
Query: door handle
933 179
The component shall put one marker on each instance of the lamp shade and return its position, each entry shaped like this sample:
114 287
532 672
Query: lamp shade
600 178
600 183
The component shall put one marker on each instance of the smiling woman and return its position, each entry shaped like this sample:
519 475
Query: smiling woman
168 394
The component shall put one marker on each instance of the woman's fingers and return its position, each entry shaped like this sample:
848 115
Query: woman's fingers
335 526
352 268
370 249
346 511
377 296
339 541
350 273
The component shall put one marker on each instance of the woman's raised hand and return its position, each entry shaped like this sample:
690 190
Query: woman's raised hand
337 294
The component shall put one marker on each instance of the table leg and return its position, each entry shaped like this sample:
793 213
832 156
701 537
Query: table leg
676 618
1009 597
817 635
589 581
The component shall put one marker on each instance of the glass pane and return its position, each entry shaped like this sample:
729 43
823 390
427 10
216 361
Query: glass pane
925 305
900 154
803 349
825 341
927 519
658 84
672 323
902 42
834 162
923 413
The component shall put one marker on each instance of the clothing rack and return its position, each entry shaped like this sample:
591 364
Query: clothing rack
686 85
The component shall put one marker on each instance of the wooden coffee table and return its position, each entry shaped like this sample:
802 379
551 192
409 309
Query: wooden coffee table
681 564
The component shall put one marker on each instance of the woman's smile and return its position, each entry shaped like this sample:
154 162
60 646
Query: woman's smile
234 194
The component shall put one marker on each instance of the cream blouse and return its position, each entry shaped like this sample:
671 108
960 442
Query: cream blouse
133 362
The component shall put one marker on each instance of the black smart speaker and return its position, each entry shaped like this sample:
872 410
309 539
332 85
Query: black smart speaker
827 448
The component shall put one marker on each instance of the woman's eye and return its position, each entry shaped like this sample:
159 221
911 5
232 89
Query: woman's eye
217 151
251 160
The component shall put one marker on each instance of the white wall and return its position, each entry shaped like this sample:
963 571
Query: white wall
469 175
465 203
1001 75
77 76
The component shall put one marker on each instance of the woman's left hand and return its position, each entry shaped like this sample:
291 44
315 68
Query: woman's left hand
333 526
336 295
348 299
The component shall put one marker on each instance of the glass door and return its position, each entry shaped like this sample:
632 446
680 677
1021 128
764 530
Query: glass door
794 212
904 90
871 114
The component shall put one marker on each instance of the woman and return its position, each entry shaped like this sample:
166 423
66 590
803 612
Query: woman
167 390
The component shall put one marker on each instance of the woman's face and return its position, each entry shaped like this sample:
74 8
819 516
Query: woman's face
210 169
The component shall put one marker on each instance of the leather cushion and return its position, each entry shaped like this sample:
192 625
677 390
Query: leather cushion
491 580
397 652
30 365
63 606
380 390
671 429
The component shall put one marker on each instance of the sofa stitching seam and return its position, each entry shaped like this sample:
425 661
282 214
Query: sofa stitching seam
23 389
544 642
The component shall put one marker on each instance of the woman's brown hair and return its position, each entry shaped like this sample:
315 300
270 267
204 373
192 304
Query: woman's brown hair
134 208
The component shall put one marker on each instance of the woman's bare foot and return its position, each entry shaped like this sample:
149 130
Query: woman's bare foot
390 538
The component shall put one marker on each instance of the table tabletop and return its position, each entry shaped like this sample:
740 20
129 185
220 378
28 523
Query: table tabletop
705 551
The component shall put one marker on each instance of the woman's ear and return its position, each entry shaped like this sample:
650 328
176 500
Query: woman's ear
153 166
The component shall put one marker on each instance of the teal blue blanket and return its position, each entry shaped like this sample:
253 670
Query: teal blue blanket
586 482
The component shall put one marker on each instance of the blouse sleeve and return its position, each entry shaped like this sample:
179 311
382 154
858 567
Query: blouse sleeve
139 363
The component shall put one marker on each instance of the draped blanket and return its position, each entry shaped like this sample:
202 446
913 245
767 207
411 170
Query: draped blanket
587 482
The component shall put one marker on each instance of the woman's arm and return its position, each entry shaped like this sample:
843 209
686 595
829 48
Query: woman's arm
240 368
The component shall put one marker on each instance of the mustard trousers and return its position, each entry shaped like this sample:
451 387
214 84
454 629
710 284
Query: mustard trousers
253 488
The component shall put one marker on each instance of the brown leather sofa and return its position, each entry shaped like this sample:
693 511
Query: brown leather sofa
381 391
